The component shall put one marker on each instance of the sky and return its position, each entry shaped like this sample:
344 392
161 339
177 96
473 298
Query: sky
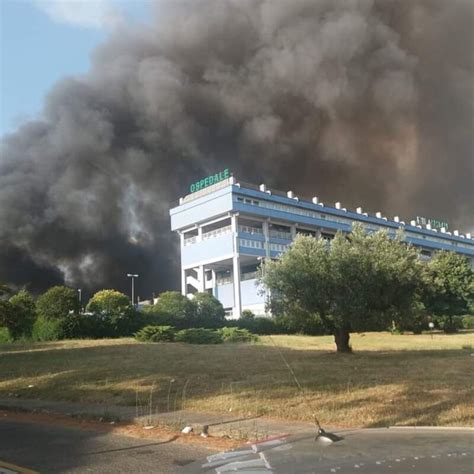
44 40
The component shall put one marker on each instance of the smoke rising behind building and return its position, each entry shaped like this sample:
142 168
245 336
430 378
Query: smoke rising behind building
365 102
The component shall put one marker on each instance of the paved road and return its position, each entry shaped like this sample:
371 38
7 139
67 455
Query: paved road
55 449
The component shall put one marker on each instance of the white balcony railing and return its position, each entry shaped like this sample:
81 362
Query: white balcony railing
216 232
250 230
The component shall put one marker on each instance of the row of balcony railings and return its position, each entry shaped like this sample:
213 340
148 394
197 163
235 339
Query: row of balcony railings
224 280
242 228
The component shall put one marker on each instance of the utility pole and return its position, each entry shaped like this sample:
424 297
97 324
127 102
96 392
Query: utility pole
133 276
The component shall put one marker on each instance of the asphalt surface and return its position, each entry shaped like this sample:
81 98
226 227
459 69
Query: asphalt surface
365 451
55 449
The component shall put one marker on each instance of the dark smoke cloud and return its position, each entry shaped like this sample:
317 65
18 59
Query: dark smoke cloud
368 102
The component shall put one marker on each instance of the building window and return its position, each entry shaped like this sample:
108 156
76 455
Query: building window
254 244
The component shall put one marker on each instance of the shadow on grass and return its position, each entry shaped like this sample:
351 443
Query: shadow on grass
245 379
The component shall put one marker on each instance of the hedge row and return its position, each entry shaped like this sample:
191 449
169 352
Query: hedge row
194 335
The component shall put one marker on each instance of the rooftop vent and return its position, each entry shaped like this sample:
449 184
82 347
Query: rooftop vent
290 194
396 219
366 214
378 215
263 188
344 209
315 200
443 230
359 210
402 222
338 205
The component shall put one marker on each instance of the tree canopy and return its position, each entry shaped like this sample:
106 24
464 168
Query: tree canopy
57 302
175 308
209 311
108 302
356 282
450 291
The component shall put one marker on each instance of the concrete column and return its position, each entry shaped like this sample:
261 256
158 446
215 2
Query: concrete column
183 271
214 282
201 278
237 310
293 231
199 236
236 279
266 234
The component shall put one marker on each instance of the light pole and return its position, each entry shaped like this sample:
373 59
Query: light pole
80 299
133 276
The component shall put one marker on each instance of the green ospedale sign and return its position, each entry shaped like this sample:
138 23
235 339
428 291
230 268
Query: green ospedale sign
209 180
434 223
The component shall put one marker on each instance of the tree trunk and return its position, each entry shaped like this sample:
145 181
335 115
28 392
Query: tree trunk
341 338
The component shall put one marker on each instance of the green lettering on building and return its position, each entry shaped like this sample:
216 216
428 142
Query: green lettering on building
434 223
209 180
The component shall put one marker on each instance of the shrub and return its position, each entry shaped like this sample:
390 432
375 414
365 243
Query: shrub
198 336
468 321
81 326
260 324
45 329
451 324
152 317
175 308
232 334
113 315
208 311
5 336
24 314
156 334
108 301
57 302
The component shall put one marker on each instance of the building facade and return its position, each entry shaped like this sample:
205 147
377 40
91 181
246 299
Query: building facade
228 227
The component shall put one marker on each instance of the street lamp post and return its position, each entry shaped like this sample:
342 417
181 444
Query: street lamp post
133 276
79 290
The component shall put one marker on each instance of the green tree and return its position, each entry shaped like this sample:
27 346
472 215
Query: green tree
450 290
7 315
113 314
300 283
209 312
5 290
358 282
108 301
175 308
57 302
24 314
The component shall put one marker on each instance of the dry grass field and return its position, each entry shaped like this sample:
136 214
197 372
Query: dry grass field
389 380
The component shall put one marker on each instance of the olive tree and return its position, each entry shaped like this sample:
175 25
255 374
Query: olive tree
358 282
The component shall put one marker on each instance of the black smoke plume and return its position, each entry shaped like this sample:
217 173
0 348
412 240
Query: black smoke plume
364 101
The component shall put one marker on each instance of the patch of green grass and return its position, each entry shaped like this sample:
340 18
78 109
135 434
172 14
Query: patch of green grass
403 379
